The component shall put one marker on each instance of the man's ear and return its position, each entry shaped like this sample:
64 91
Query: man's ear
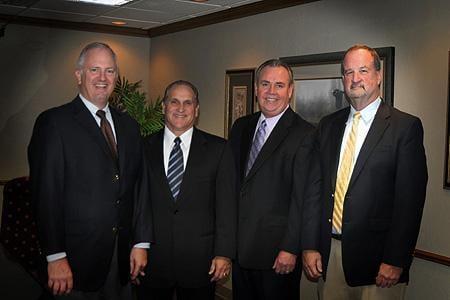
78 76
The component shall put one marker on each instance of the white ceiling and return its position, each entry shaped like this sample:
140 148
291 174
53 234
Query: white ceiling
142 14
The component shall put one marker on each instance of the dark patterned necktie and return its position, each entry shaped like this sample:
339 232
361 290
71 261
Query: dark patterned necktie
175 169
107 132
257 144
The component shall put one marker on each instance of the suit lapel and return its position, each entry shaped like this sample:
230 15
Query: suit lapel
121 137
376 131
277 135
84 117
337 133
197 148
246 143
157 163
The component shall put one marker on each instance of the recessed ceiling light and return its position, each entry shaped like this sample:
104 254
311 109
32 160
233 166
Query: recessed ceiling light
104 2
119 23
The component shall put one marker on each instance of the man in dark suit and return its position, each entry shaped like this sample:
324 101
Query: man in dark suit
374 178
89 187
272 151
193 202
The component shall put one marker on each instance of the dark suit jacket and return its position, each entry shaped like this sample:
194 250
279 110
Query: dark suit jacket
271 195
83 199
201 224
384 201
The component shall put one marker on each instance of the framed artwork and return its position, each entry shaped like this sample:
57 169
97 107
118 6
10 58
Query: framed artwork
239 95
447 154
318 85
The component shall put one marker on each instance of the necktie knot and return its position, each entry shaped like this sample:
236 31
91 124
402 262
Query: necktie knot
101 114
177 141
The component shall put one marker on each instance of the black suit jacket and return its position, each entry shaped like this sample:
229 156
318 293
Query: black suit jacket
201 224
385 197
272 194
83 198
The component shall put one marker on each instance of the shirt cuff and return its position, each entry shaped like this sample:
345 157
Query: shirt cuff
56 256
142 245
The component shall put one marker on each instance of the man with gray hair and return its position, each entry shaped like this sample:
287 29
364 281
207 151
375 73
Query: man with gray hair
89 187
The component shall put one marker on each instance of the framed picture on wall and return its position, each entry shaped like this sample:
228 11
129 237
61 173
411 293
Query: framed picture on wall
447 152
239 95
318 85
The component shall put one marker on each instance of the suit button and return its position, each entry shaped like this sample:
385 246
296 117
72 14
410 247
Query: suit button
118 202
332 195
114 229
175 211
329 220
116 177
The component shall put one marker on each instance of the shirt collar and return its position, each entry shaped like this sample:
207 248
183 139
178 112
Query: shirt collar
185 137
368 113
91 107
272 121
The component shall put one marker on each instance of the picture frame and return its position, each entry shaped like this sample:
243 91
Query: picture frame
446 184
239 95
317 90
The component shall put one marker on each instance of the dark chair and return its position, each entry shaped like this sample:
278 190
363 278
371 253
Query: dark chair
18 233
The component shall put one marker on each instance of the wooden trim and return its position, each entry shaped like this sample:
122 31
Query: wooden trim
226 15
81 26
433 257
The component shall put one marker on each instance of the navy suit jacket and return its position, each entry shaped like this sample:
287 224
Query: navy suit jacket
271 196
201 224
385 197
83 198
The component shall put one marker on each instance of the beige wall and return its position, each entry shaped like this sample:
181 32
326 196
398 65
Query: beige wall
37 66
419 31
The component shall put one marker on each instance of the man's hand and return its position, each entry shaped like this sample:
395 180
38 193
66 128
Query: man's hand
284 263
220 268
312 263
388 275
138 261
60 280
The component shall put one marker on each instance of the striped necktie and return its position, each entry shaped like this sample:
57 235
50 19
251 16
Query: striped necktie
257 144
175 169
344 174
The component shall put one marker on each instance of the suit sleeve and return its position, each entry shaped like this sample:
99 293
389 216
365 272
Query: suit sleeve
226 206
312 205
142 214
410 189
46 161
301 169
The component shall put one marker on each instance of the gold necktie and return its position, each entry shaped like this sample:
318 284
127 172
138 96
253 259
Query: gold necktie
344 174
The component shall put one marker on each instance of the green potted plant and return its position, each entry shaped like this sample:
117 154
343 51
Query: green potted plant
127 97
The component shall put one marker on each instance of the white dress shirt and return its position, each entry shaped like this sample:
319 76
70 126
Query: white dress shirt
367 117
168 144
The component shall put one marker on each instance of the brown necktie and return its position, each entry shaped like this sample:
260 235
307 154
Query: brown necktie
107 132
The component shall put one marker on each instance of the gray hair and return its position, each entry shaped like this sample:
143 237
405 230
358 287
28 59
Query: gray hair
94 45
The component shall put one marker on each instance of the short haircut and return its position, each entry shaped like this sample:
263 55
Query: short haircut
94 45
178 83
273 63
373 52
